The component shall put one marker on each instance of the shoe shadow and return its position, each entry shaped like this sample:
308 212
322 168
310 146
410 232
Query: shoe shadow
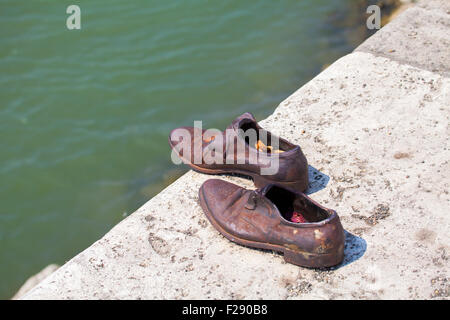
317 180
355 247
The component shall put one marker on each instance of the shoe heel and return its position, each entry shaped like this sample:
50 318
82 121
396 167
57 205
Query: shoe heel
311 260
297 258
260 182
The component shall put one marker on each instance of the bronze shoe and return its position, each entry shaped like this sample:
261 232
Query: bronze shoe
221 153
262 218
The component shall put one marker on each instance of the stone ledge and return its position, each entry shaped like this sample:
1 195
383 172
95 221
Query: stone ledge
379 129
419 37
437 6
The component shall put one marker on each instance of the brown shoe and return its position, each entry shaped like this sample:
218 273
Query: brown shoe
250 159
263 219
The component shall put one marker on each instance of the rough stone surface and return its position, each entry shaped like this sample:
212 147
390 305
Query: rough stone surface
419 36
437 6
35 280
378 131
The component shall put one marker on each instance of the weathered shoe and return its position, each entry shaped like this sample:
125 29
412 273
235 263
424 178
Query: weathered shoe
263 218
266 158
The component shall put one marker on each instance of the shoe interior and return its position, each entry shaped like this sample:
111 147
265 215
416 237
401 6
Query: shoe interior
295 208
264 139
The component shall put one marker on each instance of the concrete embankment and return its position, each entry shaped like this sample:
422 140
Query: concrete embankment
376 125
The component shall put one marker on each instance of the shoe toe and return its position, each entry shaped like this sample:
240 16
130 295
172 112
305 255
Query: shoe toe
218 195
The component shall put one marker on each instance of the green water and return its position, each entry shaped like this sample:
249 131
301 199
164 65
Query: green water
85 114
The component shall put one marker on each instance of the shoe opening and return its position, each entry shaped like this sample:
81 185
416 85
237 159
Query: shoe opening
260 139
296 208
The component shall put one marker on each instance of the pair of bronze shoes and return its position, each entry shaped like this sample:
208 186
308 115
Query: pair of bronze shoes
278 215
